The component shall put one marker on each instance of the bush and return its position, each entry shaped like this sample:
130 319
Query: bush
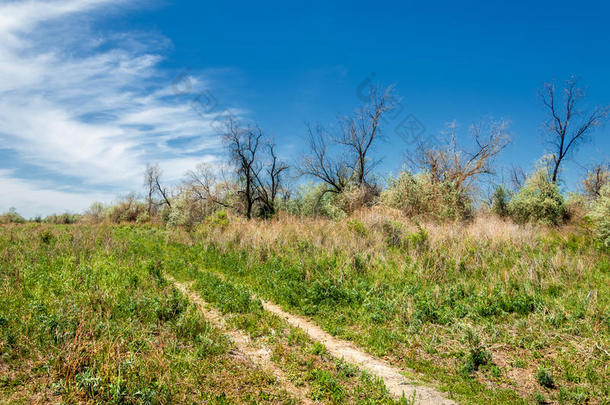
126 210
600 216
96 213
312 200
577 206
63 219
219 219
499 202
477 356
354 198
544 378
189 210
418 195
539 200
11 217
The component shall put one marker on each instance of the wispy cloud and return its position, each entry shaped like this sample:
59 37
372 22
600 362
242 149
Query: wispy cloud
91 107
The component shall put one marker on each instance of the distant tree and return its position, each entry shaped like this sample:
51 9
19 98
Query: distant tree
269 183
258 169
243 145
567 125
149 183
322 164
349 163
152 181
517 177
499 201
453 163
359 132
203 184
597 177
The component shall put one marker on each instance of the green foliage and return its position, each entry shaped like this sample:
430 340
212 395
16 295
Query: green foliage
477 356
600 216
62 219
545 378
396 236
418 195
325 386
11 217
128 209
313 200
188 210
539 200
358 227
499 202
219 219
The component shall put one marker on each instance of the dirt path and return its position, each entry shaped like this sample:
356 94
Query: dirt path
244 348
395 382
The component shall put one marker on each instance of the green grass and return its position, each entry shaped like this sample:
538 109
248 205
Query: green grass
541 304
87 315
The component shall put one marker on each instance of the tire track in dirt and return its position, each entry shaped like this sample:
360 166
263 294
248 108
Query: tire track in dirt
259 356
395 382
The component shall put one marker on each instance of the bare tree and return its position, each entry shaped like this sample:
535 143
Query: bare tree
268 186
517 177
149 183
244 145
203 185
597 177
152 181
356 139
567 125
453 163
335 173
359 132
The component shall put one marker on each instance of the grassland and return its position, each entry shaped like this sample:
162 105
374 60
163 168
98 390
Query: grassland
489 312
87 315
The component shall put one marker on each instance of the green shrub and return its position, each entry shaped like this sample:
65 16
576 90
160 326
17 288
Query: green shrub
539 200
186 211
313 200
418 195
544 378
499 202
358 227
477 356
600 216
128 209
353 197
11 217
219 219
64 219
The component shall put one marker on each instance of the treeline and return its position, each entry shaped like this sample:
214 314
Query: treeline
442 180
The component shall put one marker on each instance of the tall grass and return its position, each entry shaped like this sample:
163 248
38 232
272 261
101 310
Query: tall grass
87 316
535 296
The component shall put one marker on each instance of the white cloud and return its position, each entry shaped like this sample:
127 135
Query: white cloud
35 200
90 107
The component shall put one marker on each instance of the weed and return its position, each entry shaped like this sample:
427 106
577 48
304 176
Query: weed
545 378
477 356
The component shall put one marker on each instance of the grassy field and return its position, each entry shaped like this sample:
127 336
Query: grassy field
87 315
488 311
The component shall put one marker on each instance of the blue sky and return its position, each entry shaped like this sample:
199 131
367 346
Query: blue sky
92 90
